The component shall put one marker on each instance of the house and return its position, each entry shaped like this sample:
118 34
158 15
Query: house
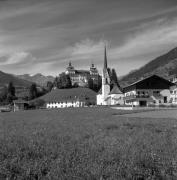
20 105
153 90
173 92
74 97
81 77
106 96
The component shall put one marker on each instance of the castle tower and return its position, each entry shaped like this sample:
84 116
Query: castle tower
105 78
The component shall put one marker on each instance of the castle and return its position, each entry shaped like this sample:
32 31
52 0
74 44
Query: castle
81 77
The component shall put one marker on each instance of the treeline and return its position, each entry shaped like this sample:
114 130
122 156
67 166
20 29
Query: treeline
63 81
113 78
8 93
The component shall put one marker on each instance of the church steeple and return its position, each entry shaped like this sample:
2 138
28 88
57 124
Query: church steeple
105 77
105 59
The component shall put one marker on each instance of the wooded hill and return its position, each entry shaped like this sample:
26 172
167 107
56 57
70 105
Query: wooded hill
164 66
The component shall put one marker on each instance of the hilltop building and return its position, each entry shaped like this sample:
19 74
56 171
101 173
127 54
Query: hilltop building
107 96
81 77
152 90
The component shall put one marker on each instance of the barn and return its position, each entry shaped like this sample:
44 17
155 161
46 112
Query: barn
74 97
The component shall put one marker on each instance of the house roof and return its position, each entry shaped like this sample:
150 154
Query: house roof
72 94
115 90
151 82
100 91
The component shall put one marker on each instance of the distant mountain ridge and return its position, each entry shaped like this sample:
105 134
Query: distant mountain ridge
164 66
5 78
37 78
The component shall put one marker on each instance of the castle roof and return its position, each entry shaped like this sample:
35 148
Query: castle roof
82 72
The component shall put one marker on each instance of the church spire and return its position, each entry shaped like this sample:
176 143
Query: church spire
105 59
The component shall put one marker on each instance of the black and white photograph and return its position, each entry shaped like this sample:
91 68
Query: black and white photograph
88 89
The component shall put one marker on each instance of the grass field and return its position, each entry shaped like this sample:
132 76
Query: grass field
87 143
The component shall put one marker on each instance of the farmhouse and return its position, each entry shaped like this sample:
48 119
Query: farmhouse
152 90
74 97
105 95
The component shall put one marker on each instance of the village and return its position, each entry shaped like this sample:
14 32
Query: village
150 92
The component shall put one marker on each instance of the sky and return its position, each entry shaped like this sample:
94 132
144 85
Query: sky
43 36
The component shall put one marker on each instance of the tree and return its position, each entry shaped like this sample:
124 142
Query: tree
10 93
33 91
75 85
3 95
63 81
11 89
49 85
38 103
114 77
90 83
58 83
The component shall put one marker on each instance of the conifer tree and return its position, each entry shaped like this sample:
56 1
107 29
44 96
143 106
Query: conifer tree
33 91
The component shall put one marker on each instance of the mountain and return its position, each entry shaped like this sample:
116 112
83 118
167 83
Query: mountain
164 66
5 78
37 78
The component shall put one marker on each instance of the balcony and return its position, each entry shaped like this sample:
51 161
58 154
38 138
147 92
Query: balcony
136 97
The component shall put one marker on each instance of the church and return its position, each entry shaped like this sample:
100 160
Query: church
106 96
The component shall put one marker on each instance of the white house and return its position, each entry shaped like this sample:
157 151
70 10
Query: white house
173 91
153 90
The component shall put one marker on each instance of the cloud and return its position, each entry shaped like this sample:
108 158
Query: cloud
151 38
16 58
56 32
147 42
87 48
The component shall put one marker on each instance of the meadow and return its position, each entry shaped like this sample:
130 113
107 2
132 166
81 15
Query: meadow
88 144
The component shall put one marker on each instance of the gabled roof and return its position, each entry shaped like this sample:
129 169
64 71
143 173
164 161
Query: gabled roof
72 94
115 90
151 82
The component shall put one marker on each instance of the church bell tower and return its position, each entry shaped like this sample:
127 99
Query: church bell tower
105 78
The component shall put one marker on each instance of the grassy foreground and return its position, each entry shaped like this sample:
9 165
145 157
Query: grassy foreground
88 143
